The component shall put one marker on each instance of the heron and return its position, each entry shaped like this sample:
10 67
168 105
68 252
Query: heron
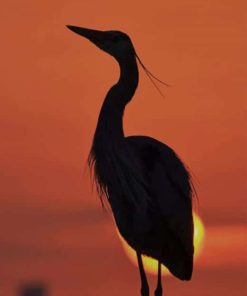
148 187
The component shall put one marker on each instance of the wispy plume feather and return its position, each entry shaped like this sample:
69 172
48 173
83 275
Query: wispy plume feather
152 77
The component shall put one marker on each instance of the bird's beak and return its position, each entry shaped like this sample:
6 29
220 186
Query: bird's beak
95 36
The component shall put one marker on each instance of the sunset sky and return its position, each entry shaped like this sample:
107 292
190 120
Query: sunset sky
52 228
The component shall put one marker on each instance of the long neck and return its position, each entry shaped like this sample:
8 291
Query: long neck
110 122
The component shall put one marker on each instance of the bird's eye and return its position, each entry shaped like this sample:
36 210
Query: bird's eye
116 39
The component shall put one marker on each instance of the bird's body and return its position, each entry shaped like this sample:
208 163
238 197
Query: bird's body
145 182
162 233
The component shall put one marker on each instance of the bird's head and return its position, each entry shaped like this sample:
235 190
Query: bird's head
115 43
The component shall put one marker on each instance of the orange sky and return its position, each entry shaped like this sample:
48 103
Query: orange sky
52 86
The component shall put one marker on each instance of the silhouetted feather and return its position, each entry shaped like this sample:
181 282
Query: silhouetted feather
151 76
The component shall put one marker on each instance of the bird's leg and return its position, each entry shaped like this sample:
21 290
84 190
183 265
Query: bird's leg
144 282
158 291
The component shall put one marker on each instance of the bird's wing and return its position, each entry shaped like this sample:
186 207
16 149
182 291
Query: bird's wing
170 184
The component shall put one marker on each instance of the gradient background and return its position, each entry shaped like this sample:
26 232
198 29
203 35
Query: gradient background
53 82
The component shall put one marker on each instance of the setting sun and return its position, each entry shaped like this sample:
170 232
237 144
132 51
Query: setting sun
151 264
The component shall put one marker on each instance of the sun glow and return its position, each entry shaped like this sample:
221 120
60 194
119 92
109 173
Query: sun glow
151 265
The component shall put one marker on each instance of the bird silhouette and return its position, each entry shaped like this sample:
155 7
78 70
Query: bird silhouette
148 187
